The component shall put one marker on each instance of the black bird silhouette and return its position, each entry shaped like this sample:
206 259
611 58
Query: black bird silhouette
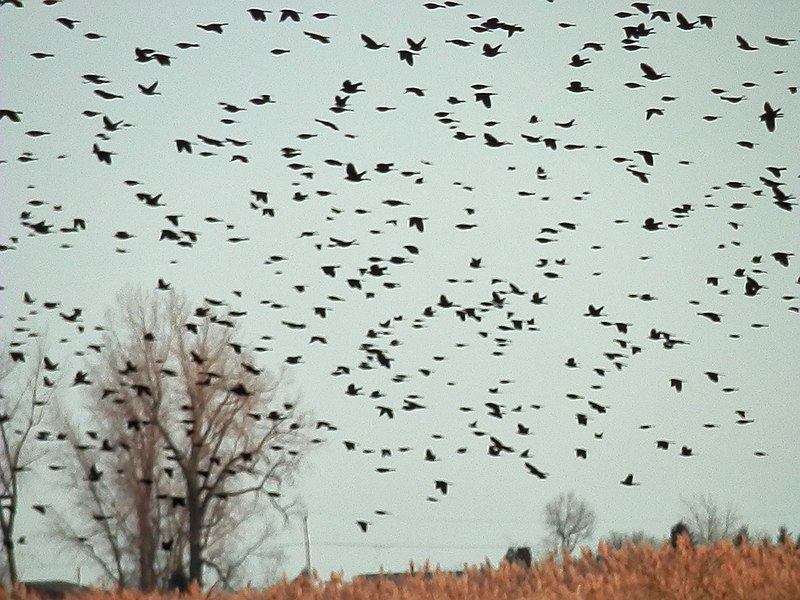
258 14
94 474
769 115
650 73
647 156
352 87
751 287
407 56
578 61
775 41
535 471
743 44
493 142
371 44
684 23
149 90
68 23
103 156
629 480
577 87
492 51
317 37
650 224
290 14
417 222
706 20
12 115
354 175
711 316
416 46
485 98
81 378
782 258
213 27
594 311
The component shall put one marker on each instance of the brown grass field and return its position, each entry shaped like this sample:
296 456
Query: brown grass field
720 571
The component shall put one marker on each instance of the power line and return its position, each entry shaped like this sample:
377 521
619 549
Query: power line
393 545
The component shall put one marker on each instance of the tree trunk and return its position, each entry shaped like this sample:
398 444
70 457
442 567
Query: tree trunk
8 543
195 531
147 541
7 523
147 579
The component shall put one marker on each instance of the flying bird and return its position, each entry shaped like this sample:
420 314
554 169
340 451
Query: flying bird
213 27
258 14
769 115
650 73
743 44
354 175
371 44
533 470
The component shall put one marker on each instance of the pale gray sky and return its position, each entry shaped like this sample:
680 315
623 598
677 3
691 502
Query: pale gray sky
525 203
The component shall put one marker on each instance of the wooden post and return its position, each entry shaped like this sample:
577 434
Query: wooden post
308 546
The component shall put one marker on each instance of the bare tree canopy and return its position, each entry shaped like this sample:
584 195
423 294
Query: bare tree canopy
189 439
569 521
25 395
708 521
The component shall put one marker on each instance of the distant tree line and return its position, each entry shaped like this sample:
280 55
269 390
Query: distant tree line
570 521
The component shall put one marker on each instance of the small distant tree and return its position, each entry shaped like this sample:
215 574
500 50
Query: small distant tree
569 521
25 394
520 555
678 531
742 536
783 535
708 521
618 539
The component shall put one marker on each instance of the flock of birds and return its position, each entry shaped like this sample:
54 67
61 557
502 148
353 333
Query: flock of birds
386 273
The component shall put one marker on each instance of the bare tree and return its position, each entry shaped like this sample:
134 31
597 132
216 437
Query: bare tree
25 394
708 521
187 431
569 521
618 539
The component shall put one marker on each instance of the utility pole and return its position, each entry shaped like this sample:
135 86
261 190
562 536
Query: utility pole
308 546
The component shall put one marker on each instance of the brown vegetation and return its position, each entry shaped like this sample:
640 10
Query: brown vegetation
635 572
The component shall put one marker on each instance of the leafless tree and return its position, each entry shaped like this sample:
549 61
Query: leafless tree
186 433
618 539
569 521
25 395
708 521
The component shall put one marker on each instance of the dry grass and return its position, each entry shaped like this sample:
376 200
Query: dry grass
712 572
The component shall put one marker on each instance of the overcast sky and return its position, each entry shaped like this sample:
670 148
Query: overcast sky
547 191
